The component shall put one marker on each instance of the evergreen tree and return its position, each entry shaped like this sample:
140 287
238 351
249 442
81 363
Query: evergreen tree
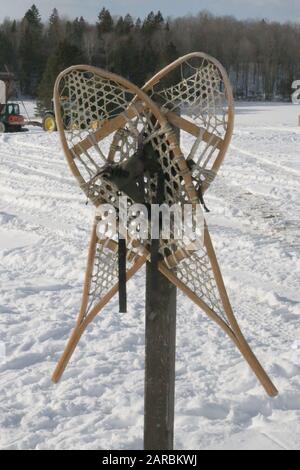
6 51
138 24
31 51
54 18
76 31
149 24
14 27
120 26
105 22
54 30
33 17
124 25
128 24
159 19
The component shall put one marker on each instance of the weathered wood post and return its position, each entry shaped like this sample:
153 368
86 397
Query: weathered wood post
160 352
160 363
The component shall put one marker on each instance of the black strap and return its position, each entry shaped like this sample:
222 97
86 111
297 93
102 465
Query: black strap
200 194
122 276
160 187
155 244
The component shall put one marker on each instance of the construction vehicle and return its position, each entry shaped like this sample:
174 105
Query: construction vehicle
49 121
10 116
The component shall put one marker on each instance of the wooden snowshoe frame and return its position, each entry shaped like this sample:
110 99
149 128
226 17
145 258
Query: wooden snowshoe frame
105 115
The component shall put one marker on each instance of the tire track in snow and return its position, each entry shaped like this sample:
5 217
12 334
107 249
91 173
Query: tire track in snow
264 213
289 130
267 161
23 171
276 441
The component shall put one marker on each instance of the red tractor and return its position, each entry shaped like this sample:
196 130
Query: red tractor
10 118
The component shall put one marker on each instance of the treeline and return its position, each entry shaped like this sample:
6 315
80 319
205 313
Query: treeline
262 58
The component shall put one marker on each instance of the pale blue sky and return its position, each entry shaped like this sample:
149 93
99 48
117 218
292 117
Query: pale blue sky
282 10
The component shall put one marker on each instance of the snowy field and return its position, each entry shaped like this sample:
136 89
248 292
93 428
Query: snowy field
44 230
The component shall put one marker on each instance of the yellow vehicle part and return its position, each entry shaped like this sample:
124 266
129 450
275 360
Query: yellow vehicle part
49 123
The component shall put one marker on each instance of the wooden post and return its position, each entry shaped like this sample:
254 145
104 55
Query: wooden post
160 363
160 352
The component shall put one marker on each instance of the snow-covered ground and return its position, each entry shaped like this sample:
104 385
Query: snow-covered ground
44 230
